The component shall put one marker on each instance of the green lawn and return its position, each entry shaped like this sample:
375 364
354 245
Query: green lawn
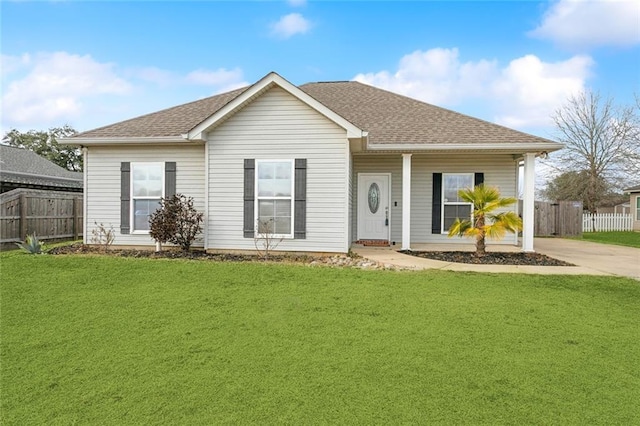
631 239
99 340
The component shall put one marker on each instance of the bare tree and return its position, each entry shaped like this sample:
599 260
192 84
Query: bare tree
265 240
602 142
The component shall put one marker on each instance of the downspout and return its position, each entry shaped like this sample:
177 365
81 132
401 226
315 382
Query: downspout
85 193
205 229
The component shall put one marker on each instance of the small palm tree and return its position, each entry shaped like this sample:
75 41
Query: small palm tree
485 199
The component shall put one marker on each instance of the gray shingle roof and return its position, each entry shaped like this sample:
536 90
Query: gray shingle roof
389 118
22 166
174 121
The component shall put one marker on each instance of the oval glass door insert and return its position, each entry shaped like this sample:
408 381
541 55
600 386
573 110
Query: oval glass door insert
374 197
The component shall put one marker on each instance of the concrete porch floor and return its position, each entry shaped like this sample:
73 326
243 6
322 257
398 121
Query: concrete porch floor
589 258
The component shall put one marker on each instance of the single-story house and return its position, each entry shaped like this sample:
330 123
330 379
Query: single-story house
21 168
634 201
328 164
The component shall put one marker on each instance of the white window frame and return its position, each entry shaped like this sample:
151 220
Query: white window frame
256 210
456 203
132 198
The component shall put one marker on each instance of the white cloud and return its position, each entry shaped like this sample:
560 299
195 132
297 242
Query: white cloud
223 79
586 23
11 64
55 85
528 90
49 89
523 94
290 25
435 76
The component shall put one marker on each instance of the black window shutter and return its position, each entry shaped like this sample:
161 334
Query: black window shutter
436 209
478 179
169 179
300 196
125 197
249 197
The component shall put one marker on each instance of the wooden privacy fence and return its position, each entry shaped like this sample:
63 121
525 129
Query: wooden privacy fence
603 222
52 215
561 219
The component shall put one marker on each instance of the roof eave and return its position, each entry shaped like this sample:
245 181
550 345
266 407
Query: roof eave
136 140
537 147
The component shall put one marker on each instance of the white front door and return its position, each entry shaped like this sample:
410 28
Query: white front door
374 217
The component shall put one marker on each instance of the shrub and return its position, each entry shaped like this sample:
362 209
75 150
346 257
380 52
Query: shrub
31 244
264 240
102 236
176 221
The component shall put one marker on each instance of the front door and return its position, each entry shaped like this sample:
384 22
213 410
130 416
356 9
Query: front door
373 206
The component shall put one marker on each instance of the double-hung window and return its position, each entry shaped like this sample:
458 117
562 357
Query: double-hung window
147 188
453 206
638 207
274 200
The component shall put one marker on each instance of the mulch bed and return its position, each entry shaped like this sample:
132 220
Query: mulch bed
490 258
173 253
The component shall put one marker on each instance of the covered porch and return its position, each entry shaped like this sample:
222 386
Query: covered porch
404 198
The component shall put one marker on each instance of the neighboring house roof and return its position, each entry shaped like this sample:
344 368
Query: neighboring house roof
633 189
22 167
387 119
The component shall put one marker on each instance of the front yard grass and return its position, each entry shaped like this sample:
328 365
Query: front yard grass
107 340
620 238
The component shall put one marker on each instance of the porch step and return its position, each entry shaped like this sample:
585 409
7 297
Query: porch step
374 243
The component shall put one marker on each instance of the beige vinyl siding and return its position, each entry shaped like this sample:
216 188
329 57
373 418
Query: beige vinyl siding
103 182
279 126
499 170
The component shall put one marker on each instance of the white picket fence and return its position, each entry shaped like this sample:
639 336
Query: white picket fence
607 222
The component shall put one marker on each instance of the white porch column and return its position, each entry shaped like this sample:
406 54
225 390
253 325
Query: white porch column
406 201
528 201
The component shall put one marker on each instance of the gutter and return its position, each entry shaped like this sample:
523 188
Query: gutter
138 140
517 147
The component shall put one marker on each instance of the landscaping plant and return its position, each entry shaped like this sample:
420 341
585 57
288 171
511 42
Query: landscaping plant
485 224
265 240
176 221
103 236
31 244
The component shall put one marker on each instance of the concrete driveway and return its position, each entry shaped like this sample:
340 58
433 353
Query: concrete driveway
607 258
589 258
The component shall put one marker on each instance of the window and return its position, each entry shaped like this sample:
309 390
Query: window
274 200
147 183
452 205
638 208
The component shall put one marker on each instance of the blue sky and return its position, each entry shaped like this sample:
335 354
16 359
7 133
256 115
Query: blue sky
94 63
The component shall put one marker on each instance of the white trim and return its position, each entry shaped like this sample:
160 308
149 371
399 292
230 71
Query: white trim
85 195
456 203
406 201
132 229
528 203
389 177
347 167
511 147
128 140
268 81
291 198
516 196
205 230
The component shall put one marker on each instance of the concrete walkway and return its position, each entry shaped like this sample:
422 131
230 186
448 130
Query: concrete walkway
590 258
